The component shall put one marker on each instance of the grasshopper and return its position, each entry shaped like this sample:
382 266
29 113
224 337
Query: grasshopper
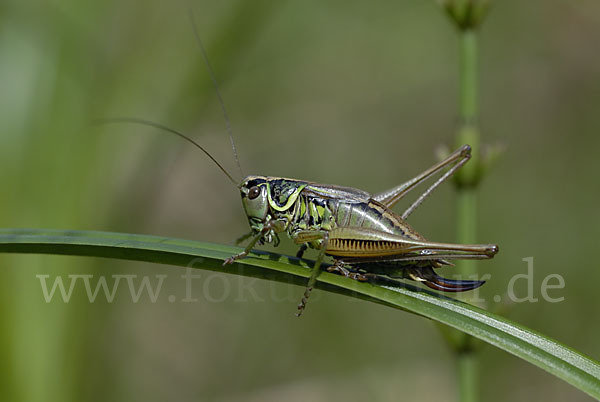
365 238
359 230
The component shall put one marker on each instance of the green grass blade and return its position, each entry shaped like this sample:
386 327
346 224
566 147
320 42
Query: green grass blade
559 360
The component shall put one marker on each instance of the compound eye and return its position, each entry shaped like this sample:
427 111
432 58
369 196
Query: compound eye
253 192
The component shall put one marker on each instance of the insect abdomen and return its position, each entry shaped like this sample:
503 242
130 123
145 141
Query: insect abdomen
373 215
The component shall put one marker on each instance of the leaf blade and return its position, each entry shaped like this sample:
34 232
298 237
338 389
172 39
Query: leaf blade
546 353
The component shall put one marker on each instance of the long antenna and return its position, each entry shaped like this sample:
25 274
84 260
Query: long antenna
216 85
143 122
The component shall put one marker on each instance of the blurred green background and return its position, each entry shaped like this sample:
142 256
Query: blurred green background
347 92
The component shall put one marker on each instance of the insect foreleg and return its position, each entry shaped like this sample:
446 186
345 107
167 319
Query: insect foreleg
266 229
303 237
390 197
243 238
